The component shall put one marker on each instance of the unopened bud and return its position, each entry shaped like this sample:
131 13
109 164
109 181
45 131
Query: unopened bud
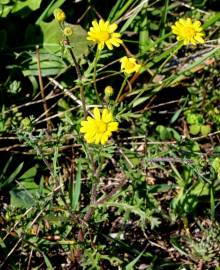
26 123
109 91
59 15
68 31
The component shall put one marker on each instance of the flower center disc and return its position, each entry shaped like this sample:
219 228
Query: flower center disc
103 36
189 32
101 127
130 65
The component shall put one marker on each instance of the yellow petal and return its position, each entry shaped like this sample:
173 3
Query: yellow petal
104 139
123 59
178 25
98 138
109 45
113 126
107 25
89 118
96 113
101 25
83 123
108 133
197 24
174 29
132 60
116 42
89 38
88 138
106 116
116 35
181 21
188 21
199 39
113 27
95 25
101 45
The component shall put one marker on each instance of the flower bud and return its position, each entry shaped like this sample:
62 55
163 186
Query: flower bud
59 15
68 31
109 91
26 124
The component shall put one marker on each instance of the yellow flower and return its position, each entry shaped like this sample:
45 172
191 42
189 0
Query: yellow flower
99 128
188 31
103 34
129 65
109 90
59 15
67 31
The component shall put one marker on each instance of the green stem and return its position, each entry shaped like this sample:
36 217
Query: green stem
93 196
79 75
164 18
95 73
179 46
93 199
78 72
120 91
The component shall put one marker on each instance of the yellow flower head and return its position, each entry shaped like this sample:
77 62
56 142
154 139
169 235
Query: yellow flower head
109 91
59 15
103 34
99 128
67 31
129 65
188 31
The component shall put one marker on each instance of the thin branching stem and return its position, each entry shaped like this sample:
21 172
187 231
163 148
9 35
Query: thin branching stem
120 91
178 47
49 123
79 75
95 74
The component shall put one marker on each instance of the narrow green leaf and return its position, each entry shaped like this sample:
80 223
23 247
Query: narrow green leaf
139 101
12 176
178 247
29 174
176 116
173 79
178 77
76 189
164 18
212 204
2 243
120 11
213 19
130 19
131 265
116 7
179 179
6 167
144 33
48 263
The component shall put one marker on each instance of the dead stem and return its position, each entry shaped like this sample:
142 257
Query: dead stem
49 123
79 75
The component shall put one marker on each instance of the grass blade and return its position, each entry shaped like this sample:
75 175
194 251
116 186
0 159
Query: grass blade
12 176
76 189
